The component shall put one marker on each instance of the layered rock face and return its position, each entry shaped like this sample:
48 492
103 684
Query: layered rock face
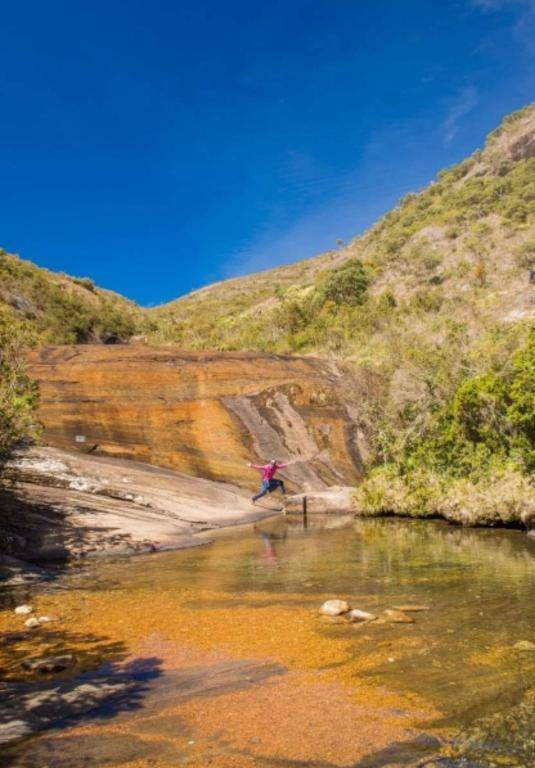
204 414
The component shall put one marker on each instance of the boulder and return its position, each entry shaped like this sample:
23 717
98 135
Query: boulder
357 615
335 500
334 608
23 610
32 623
398 617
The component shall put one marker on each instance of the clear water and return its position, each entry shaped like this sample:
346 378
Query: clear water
479 585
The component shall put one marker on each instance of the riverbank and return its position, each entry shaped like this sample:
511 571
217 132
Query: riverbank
60 506
505 499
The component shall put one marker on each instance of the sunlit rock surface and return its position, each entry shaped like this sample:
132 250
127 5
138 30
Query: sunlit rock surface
204 414
62 504
334 500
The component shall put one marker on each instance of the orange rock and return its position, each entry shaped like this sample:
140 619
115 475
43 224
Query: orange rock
205 414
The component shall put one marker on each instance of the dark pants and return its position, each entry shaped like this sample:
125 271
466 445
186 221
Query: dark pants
268 486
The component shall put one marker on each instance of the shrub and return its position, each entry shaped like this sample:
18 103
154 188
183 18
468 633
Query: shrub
347 284
480 273
525 255
18 395
85 282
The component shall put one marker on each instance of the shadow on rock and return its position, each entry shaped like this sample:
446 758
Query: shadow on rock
35 540
103 686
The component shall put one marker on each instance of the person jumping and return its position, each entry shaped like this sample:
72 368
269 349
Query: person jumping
269 482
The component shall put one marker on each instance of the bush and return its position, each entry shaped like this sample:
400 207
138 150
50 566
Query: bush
18 395
525 255
489 419
347 284
85 282
503 498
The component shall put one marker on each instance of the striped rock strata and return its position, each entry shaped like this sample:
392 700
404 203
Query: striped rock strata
204 414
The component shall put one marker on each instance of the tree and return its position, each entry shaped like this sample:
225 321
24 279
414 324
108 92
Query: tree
346 284
18 394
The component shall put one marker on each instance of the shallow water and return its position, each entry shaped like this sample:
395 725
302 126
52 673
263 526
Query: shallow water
234 666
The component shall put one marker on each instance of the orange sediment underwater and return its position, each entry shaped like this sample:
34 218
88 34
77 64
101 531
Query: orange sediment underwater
242 681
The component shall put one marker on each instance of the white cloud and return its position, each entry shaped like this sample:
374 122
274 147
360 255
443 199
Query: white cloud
461 105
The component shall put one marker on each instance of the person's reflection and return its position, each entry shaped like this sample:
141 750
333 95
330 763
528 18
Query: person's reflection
270 556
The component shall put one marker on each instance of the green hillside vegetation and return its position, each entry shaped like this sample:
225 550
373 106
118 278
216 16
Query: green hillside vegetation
18 395
450 249
62 309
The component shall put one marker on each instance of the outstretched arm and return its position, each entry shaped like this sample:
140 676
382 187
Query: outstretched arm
255 466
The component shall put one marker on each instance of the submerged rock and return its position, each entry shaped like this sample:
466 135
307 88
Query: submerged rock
334 608
524 645
357 615
398 617
23 610
49 664
412 608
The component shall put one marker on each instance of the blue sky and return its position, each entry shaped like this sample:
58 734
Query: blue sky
159 146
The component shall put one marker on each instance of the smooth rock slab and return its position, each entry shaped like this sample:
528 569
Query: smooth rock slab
334 608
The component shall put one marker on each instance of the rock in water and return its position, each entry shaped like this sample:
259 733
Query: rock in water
23 610
32 623
357 615
412 608
398 617
334 608
524 645
50 664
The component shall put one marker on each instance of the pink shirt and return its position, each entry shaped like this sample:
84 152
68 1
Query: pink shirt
268 470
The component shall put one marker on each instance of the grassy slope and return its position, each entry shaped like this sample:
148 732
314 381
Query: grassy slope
462 246
59 309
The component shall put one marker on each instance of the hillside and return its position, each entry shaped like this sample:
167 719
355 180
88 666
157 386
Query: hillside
463 245
56 308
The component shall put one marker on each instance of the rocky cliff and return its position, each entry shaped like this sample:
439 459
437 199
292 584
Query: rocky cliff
202 414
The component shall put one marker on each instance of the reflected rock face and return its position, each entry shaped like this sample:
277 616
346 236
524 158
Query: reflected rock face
205 414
